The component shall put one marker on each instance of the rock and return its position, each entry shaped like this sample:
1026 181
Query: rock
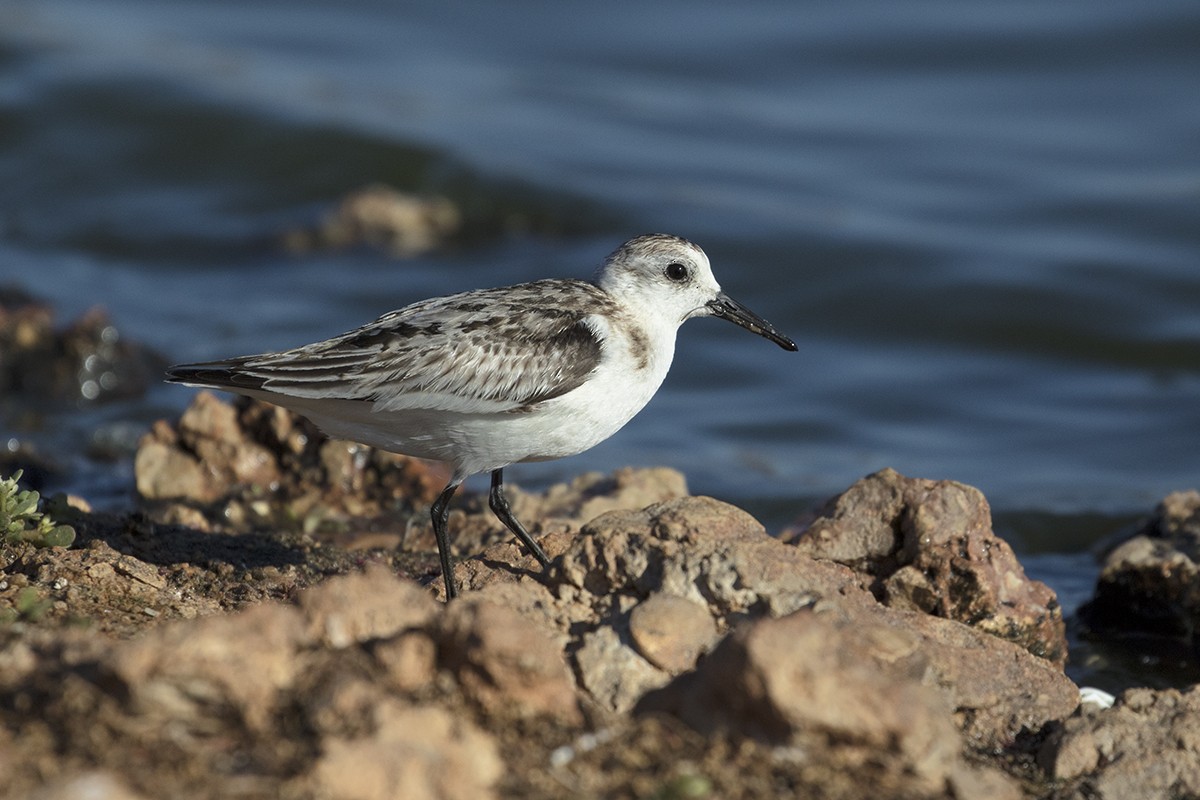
672 632
192 672
93 785
699 549
613 673
997 689
163 470
87 362
1146 746
803 677
424 752
929 546
1150 583
594 493
356 608
204 458
409 660
271 468
378 216
364 686
695 550
212 430
505 662
719 558
560 511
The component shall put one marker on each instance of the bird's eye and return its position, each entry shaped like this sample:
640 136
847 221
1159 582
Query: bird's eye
676 271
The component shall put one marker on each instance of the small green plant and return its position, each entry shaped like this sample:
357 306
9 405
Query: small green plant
20 520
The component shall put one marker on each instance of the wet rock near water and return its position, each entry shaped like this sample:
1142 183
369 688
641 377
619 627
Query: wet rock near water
400 224
928 546
1150 584
43 366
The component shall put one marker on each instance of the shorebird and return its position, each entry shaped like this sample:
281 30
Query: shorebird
488 378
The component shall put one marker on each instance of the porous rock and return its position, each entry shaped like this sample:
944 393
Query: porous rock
710 558
717 557
929 546
306 689
1146 746
555 515
703 550
612 673
270 465
589 495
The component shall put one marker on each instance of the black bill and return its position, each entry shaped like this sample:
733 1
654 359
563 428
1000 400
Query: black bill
726 307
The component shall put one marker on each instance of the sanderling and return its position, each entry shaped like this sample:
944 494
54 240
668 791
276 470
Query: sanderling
484 379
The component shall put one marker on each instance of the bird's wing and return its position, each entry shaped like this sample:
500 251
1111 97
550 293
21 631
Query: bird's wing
492 350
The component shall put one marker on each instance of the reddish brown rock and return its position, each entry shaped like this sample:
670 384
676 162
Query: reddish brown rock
553 517
721 559
613 674
595 493
997 688
365 687
929 546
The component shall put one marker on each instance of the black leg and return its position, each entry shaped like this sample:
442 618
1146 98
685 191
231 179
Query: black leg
440 511
499 505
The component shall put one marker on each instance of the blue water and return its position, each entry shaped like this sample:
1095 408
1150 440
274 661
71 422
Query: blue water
981 221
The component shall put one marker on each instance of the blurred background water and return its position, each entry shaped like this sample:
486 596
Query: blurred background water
979 220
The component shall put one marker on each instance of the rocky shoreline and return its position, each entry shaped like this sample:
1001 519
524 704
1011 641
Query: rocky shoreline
268 623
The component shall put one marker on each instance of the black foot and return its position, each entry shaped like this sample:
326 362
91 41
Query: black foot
440 511
499 505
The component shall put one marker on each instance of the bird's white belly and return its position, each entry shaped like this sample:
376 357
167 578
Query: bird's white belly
480 442
564 426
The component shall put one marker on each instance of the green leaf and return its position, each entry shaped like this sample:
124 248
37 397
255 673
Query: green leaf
60 536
